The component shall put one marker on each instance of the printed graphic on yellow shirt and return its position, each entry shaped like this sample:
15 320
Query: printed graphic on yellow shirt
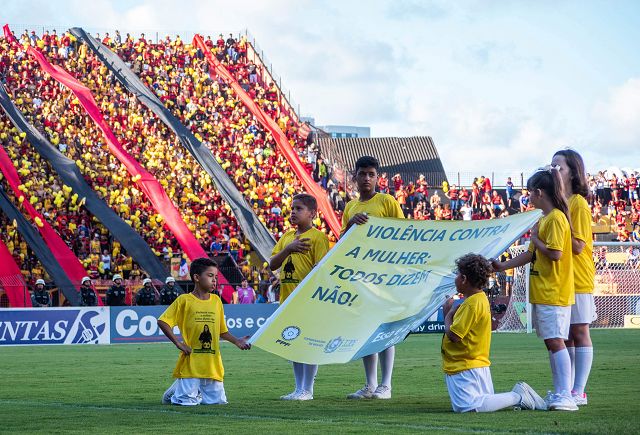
205 341
380 281
289 270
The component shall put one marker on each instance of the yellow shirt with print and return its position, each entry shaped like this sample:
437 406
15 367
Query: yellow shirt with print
298 265
381 205
551 282
201 323
584 270
472 323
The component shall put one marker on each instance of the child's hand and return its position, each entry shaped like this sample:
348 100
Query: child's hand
184 348
447 306
359 219
534 231
242 343
299 245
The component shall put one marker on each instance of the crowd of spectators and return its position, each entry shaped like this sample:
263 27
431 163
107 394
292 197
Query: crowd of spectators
180 76
617 198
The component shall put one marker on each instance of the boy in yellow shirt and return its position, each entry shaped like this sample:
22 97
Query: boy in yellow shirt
200 317
357 212
299 249
466 344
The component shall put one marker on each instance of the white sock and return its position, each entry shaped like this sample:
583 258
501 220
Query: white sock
387 357
298 374
572 356
584 359
371 370
309 376
562 375
494 402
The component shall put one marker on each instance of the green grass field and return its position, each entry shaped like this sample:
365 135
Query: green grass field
117 389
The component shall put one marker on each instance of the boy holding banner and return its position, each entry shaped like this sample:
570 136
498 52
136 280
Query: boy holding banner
299 249
357 211
466 343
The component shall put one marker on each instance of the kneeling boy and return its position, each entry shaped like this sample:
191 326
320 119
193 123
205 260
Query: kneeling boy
199 316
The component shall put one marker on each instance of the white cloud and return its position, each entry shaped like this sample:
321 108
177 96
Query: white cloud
620 114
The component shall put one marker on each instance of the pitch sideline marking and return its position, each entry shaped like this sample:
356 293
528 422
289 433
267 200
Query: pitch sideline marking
248 417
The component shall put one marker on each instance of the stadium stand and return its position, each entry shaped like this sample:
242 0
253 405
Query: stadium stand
210 107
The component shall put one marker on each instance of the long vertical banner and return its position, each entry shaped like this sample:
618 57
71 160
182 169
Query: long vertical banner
147 182
255 230
280 138
382 280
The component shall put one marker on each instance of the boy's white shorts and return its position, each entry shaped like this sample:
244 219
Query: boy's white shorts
469 388
584 310
195 391
551 321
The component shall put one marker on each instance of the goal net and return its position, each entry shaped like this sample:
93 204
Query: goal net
616 292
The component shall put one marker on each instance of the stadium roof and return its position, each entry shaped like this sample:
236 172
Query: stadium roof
408 156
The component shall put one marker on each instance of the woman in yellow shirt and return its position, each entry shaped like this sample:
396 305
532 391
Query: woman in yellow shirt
466 344
551 290
583 312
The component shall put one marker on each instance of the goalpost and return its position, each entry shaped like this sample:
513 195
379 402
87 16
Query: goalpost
616 292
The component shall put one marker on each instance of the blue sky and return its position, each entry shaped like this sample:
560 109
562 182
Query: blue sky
499 85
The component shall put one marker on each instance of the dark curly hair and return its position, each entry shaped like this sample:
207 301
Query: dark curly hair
476 268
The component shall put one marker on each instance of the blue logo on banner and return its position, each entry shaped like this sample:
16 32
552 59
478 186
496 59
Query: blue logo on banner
54 326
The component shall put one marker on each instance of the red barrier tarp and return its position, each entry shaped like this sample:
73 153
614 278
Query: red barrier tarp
11 279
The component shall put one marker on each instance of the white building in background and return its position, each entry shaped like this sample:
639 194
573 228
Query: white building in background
345 131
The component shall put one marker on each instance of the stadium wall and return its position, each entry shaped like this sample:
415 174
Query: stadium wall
116 325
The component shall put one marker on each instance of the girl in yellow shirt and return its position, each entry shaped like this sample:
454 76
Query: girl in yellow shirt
466 343
551 290
583 312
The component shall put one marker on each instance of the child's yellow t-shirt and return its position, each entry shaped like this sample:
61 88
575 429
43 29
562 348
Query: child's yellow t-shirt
551 282
381 205
298 265
472 323
584 270
201 323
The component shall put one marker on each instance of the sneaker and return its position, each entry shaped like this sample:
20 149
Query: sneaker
290 396
382 392
166 397
580 399
303 395
529 399
562 402
365 392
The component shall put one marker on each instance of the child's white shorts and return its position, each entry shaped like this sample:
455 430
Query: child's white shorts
195 391
551 321
469 388
584 310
